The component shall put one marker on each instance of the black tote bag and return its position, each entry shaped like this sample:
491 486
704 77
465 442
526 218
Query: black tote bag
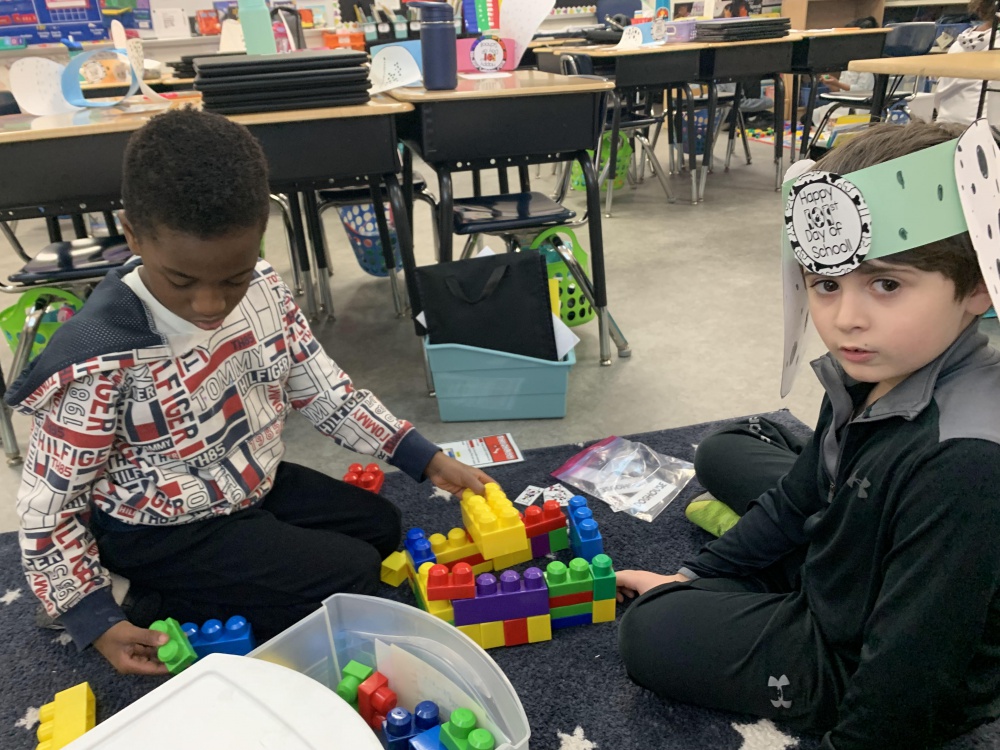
498 302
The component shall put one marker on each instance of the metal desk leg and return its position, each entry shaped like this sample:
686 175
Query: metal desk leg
21 354
606 325
731 141
878 97
796 95
810 109
446 209
319 252
779 131
692 143
616 124
385 237
405 238
408 183
302 252
706 157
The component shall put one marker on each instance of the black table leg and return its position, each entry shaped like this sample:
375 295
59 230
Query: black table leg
779 131
616 126
878 97
408 183
385 237
79 226
446 208
810 109
55 231
302 252
405 239
796 96
315 228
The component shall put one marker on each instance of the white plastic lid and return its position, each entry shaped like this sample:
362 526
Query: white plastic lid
223 702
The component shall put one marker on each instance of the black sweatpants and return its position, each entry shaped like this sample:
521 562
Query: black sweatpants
748 645
310 537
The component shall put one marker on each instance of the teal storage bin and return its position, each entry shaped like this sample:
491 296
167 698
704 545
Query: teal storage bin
477 385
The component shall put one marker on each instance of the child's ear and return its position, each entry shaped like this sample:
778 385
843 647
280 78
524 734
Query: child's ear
130 238
978 302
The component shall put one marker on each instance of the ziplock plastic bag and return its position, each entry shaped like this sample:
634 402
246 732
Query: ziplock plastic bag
627 476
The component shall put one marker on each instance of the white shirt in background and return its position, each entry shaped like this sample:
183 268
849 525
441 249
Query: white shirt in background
957 99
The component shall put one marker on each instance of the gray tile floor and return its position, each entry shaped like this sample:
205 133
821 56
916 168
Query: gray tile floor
695 289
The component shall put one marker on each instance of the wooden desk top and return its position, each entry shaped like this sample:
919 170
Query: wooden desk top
815 33
15 128
611 50
518 83
983 65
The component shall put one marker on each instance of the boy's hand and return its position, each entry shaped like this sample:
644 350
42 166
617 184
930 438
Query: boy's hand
637 582
454 476
132 650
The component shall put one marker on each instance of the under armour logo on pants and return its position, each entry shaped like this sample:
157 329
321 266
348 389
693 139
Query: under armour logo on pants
780 683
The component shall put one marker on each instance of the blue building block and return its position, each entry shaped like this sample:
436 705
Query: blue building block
418 548
400 726
429 740
568 622
576 503
235 637
588 543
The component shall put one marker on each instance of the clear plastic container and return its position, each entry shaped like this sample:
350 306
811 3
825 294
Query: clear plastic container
347 626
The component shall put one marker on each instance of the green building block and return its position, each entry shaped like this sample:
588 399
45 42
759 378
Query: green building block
604 577
569 610
351 677
572 580
559 539
176 653
460 732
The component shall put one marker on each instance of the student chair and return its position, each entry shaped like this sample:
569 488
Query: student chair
76 265
904 40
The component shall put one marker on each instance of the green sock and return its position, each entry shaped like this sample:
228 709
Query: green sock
712 515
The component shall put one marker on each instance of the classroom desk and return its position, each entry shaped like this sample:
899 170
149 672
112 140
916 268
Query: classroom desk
827 51
984 66
676 65
528 117
72 163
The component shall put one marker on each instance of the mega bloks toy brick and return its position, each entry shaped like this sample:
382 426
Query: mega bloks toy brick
69 715
572 610
510 598
543 519
570 599
563 580
176 653
540 546
604 610
418 548
515 632
458 583
457 546
589 543
400 725
492 634
429 740
568 622
495 525
539 628
394 569
375 700
235 637
351 676
559 540
438 608
604 577
514 558
474 631
370 477
460 732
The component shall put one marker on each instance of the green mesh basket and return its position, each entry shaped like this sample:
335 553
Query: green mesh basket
574 309
622 160
61 309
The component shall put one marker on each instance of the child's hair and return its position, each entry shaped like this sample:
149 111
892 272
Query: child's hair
194 172
983 9
954 257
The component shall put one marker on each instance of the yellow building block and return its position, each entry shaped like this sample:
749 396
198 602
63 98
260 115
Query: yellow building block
484 567
502 562
455 546
475 632
604 610
68 716
492 634
394 569
494 525
539 628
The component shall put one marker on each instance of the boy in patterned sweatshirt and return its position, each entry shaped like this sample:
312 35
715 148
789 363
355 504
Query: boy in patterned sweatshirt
157 414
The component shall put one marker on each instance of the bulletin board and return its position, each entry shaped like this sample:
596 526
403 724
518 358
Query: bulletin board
48 21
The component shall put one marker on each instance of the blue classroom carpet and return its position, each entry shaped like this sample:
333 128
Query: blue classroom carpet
574 688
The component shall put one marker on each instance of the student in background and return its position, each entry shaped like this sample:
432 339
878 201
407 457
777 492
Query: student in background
957 99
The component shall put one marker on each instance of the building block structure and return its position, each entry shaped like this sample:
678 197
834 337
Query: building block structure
369 477
176 653
458 583
70 714
584 535
493 522
401 726
235 637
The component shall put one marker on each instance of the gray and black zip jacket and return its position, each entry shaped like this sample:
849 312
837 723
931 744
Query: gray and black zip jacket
900 511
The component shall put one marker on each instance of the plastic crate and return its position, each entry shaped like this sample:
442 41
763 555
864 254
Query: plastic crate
475 385
362 230
347 626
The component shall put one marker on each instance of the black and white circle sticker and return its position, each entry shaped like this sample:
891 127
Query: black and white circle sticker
828 223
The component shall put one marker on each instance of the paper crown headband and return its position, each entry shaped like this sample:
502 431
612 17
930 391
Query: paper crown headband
833 222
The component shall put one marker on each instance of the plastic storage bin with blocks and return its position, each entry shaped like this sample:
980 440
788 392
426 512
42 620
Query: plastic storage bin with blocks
346 627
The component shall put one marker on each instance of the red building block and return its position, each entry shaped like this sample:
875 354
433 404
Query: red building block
515 632
375 699
543 519
568 599
369 477
458 584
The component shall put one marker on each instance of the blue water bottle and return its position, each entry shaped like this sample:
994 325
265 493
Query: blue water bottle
437 45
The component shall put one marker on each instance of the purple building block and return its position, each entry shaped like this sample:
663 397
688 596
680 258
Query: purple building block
235 637
540 546
511 598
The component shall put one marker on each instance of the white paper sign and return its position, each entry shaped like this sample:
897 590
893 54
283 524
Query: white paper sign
391 68
520 19
36 83
231 37
631 38
977 172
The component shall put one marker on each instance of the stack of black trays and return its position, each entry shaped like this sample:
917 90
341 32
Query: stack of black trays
741 29
269 83
184 68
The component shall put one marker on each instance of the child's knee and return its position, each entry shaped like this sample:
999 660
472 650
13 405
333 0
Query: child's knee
387 529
